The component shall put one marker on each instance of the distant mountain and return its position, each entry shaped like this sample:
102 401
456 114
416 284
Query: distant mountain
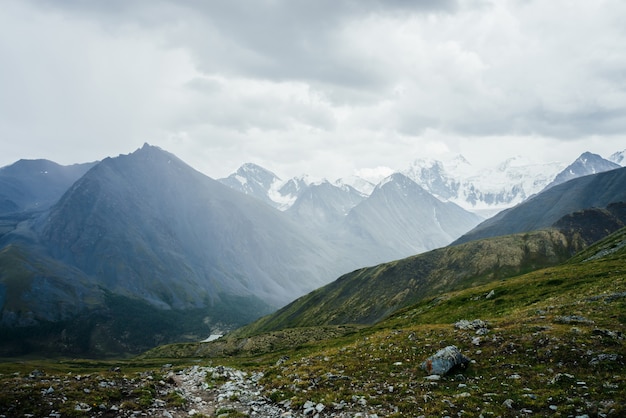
618 158
36 184
400 218
359 184
264 185
584 165
397 219
483 191
323 206
542 210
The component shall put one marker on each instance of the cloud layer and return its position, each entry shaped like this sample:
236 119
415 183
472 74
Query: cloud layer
324 87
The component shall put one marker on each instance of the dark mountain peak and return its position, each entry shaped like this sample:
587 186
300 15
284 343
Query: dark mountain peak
588 163
590 159
25 165
151 152
36 184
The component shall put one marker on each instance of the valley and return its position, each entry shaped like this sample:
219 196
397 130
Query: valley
549 342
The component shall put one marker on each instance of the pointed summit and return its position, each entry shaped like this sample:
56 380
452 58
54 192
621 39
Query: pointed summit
253 180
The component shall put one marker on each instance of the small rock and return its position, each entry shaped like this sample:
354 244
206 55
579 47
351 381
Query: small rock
603 358
553 407
282 360
560 377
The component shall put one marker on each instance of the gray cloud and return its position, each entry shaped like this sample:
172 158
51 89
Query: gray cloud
326 84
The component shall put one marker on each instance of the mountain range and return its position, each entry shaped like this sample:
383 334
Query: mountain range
95 257
484 191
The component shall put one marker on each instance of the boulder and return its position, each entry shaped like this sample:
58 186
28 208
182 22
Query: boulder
444 360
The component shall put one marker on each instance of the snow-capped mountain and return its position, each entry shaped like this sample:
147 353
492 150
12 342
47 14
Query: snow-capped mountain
253 180
584 165
618 158
256 181
484 191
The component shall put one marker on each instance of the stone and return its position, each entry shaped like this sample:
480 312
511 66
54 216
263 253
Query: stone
572 319
444 360
508 403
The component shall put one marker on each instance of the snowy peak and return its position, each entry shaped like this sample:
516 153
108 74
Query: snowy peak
584 165
255 181
618 158
484 191
257 174
433 176
359 184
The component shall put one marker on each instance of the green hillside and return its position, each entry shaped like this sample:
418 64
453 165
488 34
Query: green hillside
370 294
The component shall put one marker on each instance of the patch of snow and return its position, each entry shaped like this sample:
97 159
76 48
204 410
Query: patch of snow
212 337
241 179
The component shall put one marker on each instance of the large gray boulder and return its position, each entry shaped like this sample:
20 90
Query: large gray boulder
444 360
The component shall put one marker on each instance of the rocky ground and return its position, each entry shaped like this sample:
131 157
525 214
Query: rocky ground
195 391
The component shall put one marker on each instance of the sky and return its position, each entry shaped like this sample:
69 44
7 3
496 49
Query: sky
330 88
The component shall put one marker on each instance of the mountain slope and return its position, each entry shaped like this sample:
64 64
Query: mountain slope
149 224
542 210
400 219
322 206
36 184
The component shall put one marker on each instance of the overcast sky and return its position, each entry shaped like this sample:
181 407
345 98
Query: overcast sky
326 87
